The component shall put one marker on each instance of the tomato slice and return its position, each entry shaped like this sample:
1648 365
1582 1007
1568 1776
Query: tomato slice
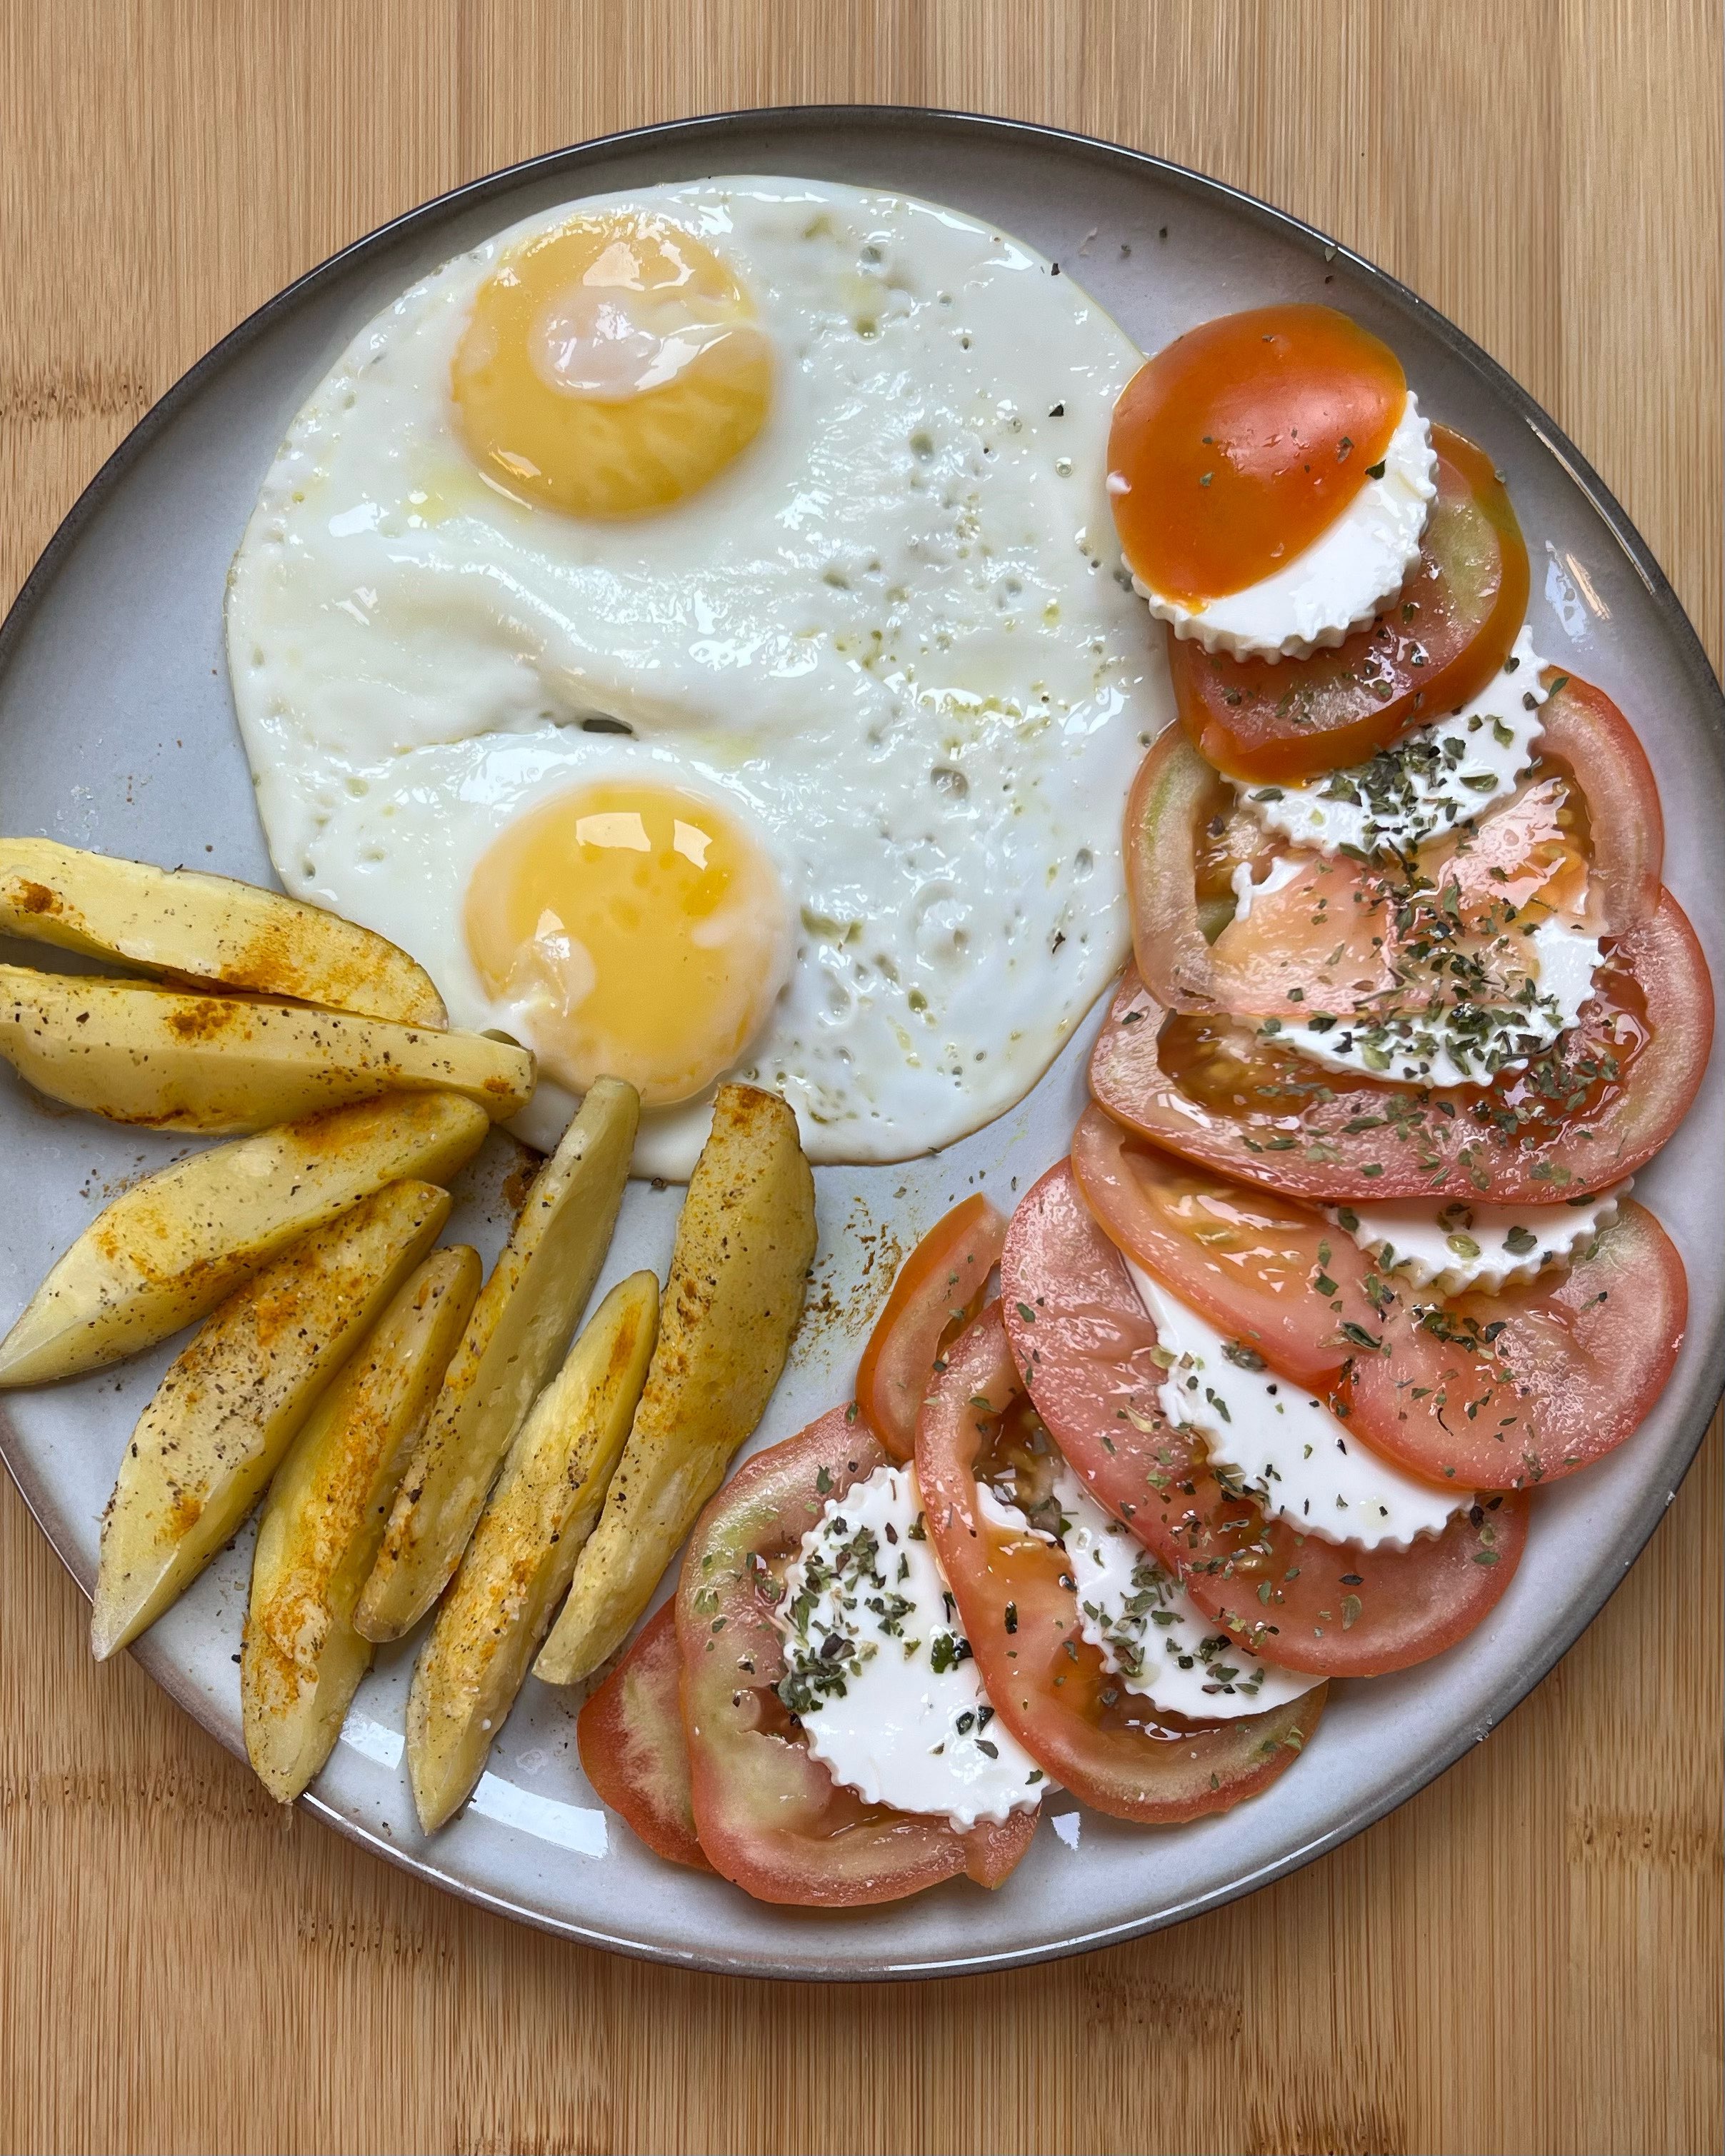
1242 441
1494 1391
770 1818
1483 1391
1020 1610
630 1737
1262 1269
939 1286
1435 647
1595 1108
1086 1346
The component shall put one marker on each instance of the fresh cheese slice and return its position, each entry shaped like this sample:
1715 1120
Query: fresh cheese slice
879 1673
1426 784
1288 1450
1148 1630
1451 1247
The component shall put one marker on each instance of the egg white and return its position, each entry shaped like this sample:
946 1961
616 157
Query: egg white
893 636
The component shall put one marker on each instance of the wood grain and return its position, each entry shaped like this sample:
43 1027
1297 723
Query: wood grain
1526 1956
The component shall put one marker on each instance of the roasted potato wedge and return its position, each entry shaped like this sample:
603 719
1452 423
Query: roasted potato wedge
139 1053
169 1250
738 1268
234 1401
324 1519
182 925
516 1568
519 1333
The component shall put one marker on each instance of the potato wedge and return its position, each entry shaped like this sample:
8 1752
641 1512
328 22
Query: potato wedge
182 925
738 1268
171 1248
179 1060
516 1568
232 1404
519 1333
324 1519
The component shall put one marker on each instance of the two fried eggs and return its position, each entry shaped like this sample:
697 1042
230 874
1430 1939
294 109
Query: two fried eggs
689 623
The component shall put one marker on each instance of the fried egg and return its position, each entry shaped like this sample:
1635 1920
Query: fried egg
690 623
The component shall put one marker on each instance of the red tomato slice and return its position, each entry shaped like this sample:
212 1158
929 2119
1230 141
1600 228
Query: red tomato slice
1520 850
1243 441
1020 1610
630 1737
1432 649
1595 1108
770 1818
1086 1346
939 1286
1086 1349
1494 1391
1485 1391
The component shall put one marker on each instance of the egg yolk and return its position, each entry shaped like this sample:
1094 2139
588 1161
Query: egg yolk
640 931
1243 441
611 367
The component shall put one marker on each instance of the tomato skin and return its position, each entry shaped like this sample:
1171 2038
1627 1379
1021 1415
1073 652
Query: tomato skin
1171 797
1273 720
940 1284
1327 1609
1412 1142
1242 441
770 1818
1020 1613
1589 737
630 1734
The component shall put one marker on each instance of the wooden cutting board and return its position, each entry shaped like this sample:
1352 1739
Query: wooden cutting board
1527 1956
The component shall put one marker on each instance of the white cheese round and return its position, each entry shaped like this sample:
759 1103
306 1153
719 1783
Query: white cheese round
1426 784
1456 1042
879 1673
1288 1450
1451 1246
1148 1630
1337 583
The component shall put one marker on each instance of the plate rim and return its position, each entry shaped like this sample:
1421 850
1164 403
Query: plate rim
1683 642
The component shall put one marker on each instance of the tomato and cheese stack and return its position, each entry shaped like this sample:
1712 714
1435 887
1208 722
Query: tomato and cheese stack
1080 1646
1332 568
1465 1386
1398 920
768 1814
1270 475
1296 1594
1452 967
1330 1438
970 1629
1397 916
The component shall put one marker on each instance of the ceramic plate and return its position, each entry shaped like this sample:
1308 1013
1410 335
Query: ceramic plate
116 733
